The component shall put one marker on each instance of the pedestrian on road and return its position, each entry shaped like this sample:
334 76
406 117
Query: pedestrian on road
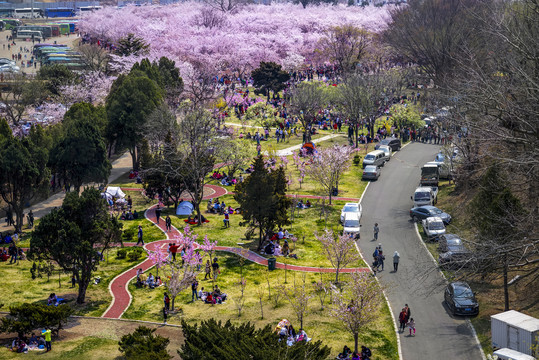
402 320
381 257
165 315
139 236
396 258
408 312
48 341
168 223
376 231
157 213
411 325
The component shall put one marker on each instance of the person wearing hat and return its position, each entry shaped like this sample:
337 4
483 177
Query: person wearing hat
47 334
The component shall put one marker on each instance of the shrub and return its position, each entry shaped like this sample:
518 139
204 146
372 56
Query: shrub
121 254
143 344
128 235
357 159
26 317
135 253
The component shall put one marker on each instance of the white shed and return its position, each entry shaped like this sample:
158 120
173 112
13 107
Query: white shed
508 354
514 330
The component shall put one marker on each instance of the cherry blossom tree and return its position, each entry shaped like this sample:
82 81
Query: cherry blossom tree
328 165
159 258
340 250
357 304
298 296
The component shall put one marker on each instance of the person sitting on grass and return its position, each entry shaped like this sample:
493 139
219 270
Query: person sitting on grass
345 353
209 299
151 281
307 204
33 340
269 249
285 251
135 214
300 204
52 300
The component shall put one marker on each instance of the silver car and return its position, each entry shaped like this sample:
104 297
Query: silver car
371 172
433 227
351 208
387 150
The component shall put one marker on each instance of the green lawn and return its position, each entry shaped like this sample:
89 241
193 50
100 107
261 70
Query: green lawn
18 287
147 305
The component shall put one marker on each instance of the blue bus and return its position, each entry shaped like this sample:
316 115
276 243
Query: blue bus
59 12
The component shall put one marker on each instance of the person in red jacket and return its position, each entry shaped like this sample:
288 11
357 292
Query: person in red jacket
174 250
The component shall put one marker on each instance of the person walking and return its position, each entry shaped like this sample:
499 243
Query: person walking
30 219
402 320
396 259
411 325
139 236
168 223
194 290
165 315
408 312
381 257
226 220
166 300
376 231
157 213
215 269
48 341
208 270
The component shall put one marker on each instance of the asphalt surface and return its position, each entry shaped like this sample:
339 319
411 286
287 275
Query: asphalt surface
417 283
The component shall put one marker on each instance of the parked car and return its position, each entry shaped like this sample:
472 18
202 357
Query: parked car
376 157
371 172
446 240
460 299
387 151
426 211
455 256
425 195
433 227
351 225
393 143
351 208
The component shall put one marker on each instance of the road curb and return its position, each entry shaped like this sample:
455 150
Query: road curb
468 321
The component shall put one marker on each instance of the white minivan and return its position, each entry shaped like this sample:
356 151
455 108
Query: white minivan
376 157
351 225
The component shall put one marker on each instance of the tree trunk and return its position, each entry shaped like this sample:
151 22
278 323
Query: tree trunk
83 286
505 284
19 218
337 276
133 158
260 238
356 335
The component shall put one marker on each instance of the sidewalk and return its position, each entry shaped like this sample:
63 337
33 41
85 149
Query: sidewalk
119 167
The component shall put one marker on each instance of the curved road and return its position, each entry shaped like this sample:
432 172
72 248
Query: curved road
417 282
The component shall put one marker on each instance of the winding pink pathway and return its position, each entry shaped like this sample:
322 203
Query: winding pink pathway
118 287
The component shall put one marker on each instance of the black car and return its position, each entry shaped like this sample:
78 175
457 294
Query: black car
422 212
460 299
455 256
393 143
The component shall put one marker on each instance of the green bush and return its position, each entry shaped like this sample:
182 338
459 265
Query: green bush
128 235
25 318
121 254
143 344
357 159
135 253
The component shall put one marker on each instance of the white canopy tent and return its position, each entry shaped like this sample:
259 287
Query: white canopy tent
115 192
185 208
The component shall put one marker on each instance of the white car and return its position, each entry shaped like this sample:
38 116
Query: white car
351 208
351 225
387 150
433 227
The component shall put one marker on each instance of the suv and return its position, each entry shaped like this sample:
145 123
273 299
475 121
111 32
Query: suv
351 225
433 227
393 143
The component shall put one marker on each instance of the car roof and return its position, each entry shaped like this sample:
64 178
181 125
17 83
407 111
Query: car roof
351 204
384 147
434 219
371 167
352 216
460 285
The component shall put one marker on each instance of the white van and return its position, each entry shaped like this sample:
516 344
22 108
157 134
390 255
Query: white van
376 157
351 225
425 195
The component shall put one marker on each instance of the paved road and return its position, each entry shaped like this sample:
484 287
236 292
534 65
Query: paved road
417 282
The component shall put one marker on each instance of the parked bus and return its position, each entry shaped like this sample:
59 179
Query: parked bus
26 13
86 9
59 12
6 12
11 24
42 51
29 34
46 31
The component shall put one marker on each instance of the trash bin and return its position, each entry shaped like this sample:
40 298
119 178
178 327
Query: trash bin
271 263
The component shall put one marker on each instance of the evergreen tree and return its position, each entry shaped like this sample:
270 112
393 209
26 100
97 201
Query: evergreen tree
26 317
142 344
213 340
76 235
262 198
132 45
269 76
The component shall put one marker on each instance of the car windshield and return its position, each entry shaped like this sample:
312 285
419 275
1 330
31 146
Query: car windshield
350 209
463 293
435 211
369 157
351 223
385 142
436 226
422 196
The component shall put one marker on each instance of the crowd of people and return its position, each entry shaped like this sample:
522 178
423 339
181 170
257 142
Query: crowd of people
348 354
24 344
